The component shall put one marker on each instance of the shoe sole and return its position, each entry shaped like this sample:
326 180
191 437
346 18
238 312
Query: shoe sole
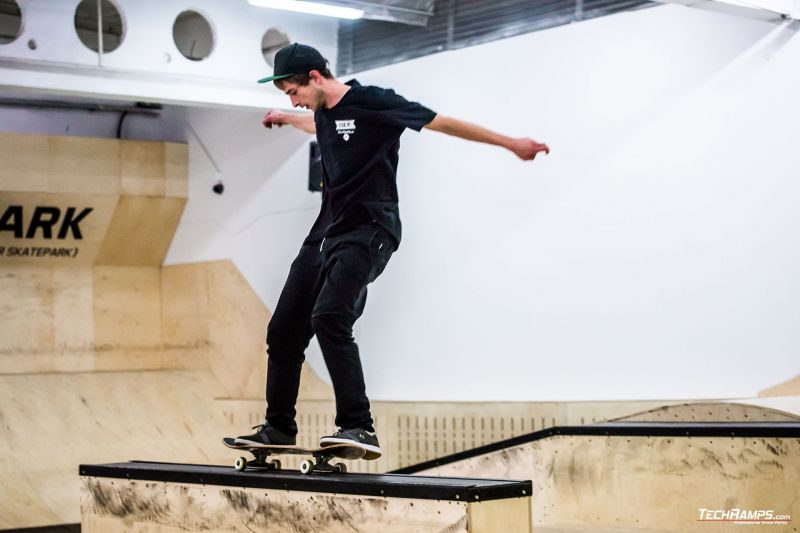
373 452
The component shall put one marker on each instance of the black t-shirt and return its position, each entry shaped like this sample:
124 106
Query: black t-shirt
359 140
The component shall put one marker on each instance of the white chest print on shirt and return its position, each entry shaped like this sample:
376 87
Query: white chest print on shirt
346 128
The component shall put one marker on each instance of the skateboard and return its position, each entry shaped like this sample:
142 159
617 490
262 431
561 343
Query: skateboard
320 463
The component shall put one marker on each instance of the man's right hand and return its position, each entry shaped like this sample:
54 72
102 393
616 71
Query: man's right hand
274 118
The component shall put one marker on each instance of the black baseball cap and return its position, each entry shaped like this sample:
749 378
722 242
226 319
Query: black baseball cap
295 59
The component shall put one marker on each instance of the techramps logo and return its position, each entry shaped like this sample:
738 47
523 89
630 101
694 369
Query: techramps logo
744 517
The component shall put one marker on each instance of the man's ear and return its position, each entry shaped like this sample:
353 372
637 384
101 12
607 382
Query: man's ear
316 76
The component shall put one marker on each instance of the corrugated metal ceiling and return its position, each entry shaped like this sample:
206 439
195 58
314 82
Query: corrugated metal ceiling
365 44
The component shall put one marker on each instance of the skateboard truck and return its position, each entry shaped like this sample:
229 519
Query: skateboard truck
321 462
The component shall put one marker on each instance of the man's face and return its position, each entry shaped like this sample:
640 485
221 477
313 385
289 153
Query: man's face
306 96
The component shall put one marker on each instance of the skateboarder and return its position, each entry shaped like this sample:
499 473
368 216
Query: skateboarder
358 129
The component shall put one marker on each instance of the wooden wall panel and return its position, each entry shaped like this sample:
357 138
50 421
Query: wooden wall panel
787 388
176 169
143 167
141 231
26 310
51 423
136 189
83 164
185 305
127 307
238 321
73 305
87 165
511 515
59 164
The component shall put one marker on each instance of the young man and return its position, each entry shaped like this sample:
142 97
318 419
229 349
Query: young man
358 129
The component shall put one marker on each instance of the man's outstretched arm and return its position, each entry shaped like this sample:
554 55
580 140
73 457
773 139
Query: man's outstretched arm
303 121
525 148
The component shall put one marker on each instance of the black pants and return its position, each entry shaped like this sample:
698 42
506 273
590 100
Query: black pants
324 295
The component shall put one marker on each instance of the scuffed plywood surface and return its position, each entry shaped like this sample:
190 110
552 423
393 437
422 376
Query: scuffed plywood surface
112 505
647 483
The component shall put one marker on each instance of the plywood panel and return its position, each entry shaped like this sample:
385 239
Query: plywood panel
512 515
238 319
651 483
141 231
127 307
185 305
25 162
26 310
787 388
52 423
143 165
83 164
176 169
109 506
73 309
63 164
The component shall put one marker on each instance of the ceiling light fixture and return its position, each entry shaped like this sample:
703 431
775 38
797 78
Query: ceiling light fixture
312 8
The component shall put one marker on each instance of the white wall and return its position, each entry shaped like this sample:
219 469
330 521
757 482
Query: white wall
653 254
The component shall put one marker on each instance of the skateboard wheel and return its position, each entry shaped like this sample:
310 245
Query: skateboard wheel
275 464
240 464
340 468
306 466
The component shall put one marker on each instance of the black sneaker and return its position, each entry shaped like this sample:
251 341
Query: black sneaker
266 434
361 437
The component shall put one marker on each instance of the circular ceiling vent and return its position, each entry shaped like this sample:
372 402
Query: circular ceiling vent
10 21
193 35
273 41
90 15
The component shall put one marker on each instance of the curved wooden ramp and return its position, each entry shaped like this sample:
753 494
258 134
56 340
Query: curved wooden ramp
161 497
786 409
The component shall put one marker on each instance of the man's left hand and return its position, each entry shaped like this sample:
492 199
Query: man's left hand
526 149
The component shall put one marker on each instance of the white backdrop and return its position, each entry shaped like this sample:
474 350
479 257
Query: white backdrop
653 254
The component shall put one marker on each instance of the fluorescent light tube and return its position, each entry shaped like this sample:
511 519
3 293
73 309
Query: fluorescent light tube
310 7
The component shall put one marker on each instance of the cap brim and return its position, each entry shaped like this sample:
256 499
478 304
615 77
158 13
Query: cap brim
271 78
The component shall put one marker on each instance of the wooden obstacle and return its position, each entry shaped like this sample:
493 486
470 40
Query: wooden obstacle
644 476
161 497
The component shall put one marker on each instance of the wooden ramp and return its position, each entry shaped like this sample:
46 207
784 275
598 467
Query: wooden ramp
645 476
161 497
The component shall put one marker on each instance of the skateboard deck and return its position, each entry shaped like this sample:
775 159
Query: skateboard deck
321 456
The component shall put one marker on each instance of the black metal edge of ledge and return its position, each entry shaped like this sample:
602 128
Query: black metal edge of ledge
416 487
625 429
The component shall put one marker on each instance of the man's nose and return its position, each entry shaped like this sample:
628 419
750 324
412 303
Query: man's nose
295 103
